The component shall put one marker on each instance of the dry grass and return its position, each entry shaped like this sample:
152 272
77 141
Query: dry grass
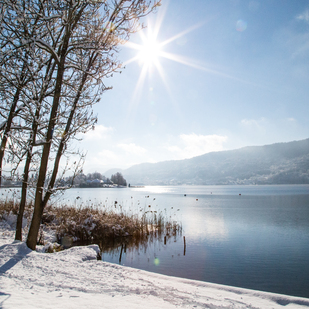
89 224
86 224
11 207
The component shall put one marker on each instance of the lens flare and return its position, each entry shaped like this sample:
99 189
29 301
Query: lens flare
156 262
241 25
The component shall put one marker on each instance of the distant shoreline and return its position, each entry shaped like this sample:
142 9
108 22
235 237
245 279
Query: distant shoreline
165 185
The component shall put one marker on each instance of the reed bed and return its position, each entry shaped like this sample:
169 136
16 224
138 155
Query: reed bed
103 225
89 223
11 207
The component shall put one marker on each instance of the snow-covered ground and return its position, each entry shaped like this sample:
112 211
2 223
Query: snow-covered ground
75 279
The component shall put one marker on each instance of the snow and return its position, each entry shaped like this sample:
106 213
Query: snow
74 278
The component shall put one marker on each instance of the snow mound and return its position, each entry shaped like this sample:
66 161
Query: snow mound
80 254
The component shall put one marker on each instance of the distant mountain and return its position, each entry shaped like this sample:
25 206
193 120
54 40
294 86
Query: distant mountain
282 163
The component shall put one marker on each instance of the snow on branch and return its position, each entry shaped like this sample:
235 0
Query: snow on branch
40 142
48 48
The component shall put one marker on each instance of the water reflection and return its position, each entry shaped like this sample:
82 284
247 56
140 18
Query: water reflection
253 241
150 251
211 226
155 189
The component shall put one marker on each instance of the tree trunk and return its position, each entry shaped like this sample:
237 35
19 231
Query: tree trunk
38 202
8 125
66 131
18 233
34 130
19 222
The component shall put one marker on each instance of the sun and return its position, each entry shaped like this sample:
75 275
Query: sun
149 51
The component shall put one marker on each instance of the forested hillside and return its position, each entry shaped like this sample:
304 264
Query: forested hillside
282 163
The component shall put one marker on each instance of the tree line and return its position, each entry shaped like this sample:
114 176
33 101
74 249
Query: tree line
96 180
54 58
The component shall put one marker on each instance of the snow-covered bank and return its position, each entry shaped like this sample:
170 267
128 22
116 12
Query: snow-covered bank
75 279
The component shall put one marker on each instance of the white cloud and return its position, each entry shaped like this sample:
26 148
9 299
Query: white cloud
132 148
249 122
301 47
99 132
173 149
101 161
254 123
192 145
304 16
107 155
111 157
293 41
102 158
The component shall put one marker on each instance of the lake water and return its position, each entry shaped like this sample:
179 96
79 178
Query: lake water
257 240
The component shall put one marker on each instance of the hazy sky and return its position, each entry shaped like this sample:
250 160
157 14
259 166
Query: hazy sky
228 74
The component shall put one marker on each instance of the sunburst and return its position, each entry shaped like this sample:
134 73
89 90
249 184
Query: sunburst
150 51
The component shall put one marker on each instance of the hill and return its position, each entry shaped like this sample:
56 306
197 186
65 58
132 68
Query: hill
281 163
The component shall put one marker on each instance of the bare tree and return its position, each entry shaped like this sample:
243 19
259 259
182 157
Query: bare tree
26 74
17 66
92 32
54 57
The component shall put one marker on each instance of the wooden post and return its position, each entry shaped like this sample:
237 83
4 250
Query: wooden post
120 253
184 245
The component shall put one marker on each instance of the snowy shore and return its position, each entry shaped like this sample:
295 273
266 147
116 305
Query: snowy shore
75 279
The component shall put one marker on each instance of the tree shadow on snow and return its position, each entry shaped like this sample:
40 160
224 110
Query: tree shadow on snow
3 298
22 251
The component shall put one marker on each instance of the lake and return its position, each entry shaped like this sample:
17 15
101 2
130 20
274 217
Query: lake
257 240
255 237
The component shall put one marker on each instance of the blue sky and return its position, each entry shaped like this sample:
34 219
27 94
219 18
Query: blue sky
232 74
